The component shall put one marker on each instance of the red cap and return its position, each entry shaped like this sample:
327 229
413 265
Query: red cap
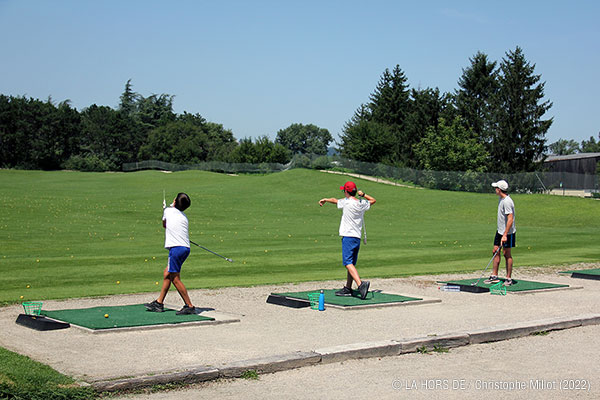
348 186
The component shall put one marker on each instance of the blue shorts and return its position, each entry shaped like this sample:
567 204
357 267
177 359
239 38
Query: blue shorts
350 247
511 240
177 255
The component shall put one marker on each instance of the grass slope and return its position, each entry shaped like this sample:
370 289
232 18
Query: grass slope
69 234
23 378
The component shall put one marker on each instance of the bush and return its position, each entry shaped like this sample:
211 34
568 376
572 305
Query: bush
321 163
301 161
89 163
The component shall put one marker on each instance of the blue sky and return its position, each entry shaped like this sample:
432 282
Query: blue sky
259 66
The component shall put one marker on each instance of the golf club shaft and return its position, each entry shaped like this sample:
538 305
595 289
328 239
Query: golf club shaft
210 251
486 267
364 224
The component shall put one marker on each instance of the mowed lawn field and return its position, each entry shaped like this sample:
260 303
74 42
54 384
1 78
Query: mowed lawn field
68 234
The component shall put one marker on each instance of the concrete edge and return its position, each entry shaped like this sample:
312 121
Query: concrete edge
276 363
219 319
196 375
429 343
428 300
359 350
555 289
270 364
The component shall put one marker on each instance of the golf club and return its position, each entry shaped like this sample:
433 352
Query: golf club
210 251
364 224
476 283
164 200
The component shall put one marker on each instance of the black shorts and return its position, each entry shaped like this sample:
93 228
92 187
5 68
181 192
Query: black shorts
511 240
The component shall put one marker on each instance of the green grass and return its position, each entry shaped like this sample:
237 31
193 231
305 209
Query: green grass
70 234
23 378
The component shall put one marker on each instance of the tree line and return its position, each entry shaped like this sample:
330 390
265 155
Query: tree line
493 122
564 147
37 134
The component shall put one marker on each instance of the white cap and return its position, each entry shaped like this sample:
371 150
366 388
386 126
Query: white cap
502 185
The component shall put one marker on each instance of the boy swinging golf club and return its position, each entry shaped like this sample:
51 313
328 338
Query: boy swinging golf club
177 241
351 225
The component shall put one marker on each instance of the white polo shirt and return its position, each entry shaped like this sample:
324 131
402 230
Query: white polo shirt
352 216
176 232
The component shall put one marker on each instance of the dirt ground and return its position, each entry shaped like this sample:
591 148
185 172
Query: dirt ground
560 365
266 329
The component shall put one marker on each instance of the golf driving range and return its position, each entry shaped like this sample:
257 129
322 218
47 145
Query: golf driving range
69 234
90 247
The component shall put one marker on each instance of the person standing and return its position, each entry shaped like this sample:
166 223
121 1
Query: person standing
351 224
177 241
505 233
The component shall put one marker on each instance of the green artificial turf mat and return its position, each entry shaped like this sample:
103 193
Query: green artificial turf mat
520 285
332 299
120 317
594 271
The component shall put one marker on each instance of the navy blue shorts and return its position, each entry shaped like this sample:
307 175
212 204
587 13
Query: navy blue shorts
177 255
511 240
350 247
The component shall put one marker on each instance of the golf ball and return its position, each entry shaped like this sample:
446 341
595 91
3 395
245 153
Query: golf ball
21 297
28 286
105 315
118 282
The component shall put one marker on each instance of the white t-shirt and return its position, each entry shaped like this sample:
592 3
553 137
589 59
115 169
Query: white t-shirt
352 216
176 232
505 207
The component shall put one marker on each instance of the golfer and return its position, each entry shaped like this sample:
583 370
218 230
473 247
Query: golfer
505 234
351 225
177 241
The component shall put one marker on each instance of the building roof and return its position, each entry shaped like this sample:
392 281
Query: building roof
577 156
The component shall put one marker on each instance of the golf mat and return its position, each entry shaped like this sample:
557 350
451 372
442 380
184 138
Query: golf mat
519 286
129 316
584 273
374 299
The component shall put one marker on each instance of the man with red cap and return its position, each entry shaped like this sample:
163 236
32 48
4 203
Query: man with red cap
351 225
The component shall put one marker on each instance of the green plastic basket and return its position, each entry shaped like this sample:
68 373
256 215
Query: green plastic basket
498 289
32 307
314 300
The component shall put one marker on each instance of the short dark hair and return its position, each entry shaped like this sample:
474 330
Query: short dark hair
182 201
353 192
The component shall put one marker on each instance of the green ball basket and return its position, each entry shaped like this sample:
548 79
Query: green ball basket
32 307
313 298
498 289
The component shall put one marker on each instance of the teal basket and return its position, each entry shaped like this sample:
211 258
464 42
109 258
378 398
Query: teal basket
313 298
32 307
498 289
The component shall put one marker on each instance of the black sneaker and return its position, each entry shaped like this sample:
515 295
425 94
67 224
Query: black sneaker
155 306
186 310
345 291
492 279
364 289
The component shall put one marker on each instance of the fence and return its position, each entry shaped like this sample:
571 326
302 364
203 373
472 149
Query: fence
527 182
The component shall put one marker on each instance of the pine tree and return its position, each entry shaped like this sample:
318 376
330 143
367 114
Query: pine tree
519 133
129 99
388 109
389 103
478 84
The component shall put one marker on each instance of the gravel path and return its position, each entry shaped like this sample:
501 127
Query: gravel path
266 329
560 365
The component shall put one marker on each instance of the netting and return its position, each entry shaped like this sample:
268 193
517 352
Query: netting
527 182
